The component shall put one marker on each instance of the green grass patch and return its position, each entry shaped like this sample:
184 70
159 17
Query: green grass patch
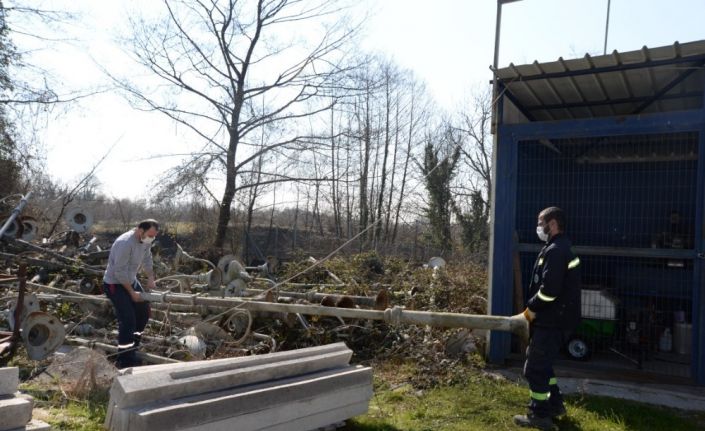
64 412
483 403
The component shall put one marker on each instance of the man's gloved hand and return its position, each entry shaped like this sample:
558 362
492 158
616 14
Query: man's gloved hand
529 315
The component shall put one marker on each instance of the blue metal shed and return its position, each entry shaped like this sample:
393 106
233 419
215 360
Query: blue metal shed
618 141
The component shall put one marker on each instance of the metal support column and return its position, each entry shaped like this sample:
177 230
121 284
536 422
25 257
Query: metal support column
503 212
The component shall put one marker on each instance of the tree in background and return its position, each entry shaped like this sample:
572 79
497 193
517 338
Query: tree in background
9 167
233 67
473 191
439 171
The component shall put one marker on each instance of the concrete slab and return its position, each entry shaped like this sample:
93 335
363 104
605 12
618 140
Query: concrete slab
34 425
289 399
15 411
635 392
323 419
144 388
286 395
129 390
9 380
684 398
308 423
282 414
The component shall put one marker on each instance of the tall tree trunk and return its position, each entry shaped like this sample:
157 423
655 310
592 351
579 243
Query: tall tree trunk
406 168
296 217
334 172
365 156
349 200
387 138
229 192
394 170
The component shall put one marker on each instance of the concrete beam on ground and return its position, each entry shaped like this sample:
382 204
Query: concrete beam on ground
9 380
244 361
169 381
253 407
15 411
143 388
323 419
309 423
34 425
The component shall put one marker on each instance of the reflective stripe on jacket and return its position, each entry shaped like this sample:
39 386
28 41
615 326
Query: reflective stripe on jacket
554 291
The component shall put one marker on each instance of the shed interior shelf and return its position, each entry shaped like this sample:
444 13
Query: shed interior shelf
663 253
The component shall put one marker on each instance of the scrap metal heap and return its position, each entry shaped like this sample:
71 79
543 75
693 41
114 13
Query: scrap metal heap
51 294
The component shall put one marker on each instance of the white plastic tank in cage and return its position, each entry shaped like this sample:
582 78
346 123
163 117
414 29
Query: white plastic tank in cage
598 304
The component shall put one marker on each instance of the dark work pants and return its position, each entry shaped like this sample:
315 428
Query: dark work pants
132 318
543 350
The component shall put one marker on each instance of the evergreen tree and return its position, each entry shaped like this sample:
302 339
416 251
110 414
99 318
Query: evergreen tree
9 168
438 173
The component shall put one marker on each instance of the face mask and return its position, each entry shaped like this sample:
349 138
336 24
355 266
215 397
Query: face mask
148 239
543 236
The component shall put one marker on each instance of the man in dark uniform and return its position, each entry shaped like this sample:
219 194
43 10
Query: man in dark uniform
553 312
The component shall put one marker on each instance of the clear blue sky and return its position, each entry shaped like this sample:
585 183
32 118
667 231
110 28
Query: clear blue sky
448 43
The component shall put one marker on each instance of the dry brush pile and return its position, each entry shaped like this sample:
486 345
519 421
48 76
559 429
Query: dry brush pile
65 276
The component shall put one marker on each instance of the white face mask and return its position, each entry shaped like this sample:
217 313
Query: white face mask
543 236
148 239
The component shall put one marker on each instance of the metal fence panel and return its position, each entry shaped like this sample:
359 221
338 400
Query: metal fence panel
631 208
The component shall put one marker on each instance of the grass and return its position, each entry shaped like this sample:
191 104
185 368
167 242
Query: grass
479 403
66 413
483 403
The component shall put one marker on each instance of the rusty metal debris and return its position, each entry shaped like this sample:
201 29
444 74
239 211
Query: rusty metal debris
51 294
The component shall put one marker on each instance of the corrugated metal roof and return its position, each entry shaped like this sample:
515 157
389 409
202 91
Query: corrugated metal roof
667 78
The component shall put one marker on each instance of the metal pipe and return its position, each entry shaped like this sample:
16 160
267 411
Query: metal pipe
51 265
14 339
147 357
15 212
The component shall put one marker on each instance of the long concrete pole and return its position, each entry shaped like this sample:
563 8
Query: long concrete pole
395 315
369 301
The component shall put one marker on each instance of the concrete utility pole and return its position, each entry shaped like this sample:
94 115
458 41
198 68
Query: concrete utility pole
607 26
495 145
495 63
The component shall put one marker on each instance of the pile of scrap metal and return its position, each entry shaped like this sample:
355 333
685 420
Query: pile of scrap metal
229 310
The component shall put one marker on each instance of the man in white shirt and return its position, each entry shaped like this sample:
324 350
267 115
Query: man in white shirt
130 252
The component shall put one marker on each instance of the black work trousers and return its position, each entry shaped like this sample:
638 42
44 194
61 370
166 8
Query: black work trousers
132 318
543 350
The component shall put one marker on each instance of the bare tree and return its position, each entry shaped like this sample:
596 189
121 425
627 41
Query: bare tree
474 126
221 59
388 78
87 182
473 191
416 116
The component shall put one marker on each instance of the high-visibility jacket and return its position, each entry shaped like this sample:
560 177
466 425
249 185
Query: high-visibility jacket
554 292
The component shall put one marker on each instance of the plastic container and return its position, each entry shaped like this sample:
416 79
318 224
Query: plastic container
682 338
598 304
665 343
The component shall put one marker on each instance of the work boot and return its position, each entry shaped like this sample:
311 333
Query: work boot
138 340
530 420
555 401
127 358
557 410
